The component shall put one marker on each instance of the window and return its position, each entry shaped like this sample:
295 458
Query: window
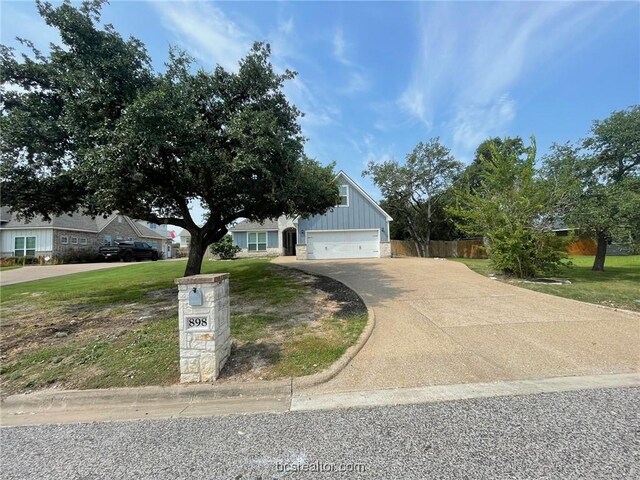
64 240
83 241
25 247
344 196
74 240
152 226
257 242
107 240
187 240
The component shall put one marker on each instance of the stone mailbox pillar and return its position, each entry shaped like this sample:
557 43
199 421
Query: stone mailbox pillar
205 329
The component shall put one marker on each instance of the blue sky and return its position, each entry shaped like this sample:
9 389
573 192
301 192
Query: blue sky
377 78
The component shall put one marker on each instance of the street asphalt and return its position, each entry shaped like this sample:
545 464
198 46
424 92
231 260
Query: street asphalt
585 434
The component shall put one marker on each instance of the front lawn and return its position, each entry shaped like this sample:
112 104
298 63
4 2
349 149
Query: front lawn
618 286
118 327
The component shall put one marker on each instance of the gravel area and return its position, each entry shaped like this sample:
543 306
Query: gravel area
587 434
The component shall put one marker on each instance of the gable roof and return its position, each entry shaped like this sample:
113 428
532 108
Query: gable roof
249 226
76 221
364 194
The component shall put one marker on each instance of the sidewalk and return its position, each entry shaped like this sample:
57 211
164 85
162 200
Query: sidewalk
29 273
126 404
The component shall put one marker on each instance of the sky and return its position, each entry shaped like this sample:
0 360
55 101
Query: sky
376 78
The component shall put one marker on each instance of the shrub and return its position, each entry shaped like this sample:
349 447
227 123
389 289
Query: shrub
224 248
77 256
525 252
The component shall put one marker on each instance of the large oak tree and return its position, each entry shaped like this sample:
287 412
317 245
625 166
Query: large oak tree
91 127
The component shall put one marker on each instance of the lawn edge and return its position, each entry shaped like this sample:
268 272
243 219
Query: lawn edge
597 305
336 367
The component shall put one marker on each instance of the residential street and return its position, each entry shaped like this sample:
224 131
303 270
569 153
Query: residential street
587 434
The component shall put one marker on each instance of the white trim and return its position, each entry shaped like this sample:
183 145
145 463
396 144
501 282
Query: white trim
68 229
340 204
257 244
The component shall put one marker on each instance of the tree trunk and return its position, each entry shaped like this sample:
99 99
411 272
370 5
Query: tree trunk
427 251
601 251
197 249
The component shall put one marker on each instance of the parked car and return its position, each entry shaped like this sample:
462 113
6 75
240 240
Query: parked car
128 251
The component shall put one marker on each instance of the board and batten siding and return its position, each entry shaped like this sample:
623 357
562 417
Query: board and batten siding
44 239
240 239
360 214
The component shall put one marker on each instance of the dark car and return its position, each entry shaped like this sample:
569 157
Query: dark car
128 251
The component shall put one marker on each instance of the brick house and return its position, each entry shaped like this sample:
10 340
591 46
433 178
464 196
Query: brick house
68 234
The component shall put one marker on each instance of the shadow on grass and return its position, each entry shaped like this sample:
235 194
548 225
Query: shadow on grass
250 356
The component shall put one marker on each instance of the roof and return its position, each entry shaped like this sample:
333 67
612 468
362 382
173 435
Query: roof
249 226
184 233
362 192
75 221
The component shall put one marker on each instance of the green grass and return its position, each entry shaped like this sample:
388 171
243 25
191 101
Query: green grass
10 267
251 278
124 351
308 354
618 286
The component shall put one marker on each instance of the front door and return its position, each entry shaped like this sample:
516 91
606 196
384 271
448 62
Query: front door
289 241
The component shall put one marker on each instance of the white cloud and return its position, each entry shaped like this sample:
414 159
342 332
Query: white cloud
208 33
339 46
474 124
470 60
357 80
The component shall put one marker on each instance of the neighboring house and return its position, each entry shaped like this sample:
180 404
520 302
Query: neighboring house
356 228
162 230
68 234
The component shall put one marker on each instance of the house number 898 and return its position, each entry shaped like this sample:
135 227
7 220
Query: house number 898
197 322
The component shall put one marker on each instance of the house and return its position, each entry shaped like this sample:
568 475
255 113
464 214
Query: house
70 235
162 230
356 228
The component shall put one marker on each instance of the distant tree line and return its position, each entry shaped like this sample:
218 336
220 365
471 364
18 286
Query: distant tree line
513 200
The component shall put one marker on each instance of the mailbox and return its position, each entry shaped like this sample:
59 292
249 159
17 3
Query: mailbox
195 297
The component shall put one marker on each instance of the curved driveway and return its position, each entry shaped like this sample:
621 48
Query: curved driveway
437 322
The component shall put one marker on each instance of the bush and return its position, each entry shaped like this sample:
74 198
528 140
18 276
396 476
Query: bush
224 248
527 253
11 261
77 256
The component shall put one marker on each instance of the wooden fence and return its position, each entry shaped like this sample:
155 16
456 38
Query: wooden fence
475 248
438 248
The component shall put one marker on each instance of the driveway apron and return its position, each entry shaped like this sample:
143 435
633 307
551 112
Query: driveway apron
437 322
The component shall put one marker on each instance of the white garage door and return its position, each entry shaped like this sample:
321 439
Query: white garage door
343 244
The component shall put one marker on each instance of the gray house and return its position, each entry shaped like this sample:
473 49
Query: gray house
68 235
356 228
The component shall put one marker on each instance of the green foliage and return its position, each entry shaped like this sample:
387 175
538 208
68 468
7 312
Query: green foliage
414 190
509 206
94 128
601 181
225 248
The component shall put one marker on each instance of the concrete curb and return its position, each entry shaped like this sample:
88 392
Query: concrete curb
465 391
185 394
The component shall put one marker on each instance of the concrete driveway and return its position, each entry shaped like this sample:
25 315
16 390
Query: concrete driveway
36 272
437 322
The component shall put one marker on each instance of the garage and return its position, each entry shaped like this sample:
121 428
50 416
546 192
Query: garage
343 244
